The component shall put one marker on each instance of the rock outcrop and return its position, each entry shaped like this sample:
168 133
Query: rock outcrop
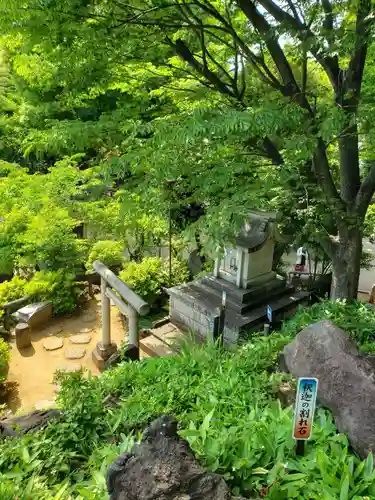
346 379
22 424
162 467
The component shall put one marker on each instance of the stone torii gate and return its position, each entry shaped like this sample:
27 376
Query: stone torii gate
129 303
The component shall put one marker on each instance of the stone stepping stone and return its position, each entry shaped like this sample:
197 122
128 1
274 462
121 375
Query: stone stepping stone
75 352
73 367
86 330
88 318
83 338
55 330
53 343
45 404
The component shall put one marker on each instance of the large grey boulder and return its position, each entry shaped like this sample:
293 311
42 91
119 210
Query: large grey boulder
346 379
28 422
162 467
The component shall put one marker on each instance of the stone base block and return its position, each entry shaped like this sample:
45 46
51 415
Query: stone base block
131 352
102 353
23 338
35 315
259 280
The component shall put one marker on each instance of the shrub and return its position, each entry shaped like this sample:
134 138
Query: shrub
145 278
4 358
49 241
107 251
12 290
6 260
148 277
180 272
356 319
58 287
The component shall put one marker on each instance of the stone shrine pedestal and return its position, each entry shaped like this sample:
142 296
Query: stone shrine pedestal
245 274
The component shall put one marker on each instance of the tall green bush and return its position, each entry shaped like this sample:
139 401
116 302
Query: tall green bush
148 277
145 278
11 290
107 251
49 241
58 287
4 358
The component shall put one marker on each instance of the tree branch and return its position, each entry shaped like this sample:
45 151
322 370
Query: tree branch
256 61
328 63
328 21
184 52
281 15
272 152
365 193
323 174
358 60
328 243
290 88
293 9
262 26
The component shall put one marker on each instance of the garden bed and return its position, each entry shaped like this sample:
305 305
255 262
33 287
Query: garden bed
227 409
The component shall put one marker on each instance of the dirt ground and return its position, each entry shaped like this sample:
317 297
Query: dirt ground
33 368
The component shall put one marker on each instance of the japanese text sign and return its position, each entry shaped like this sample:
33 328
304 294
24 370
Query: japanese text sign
305 407
269 314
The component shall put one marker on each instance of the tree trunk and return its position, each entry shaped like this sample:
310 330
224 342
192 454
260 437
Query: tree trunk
346 263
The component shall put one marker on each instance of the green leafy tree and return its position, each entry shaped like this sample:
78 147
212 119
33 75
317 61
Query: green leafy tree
267 101
310 135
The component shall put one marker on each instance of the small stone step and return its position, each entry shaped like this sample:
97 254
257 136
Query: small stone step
53 343
75 352
86 330
45 404
72 367
162 330
170 335
155 347
55 329
87 318
82 338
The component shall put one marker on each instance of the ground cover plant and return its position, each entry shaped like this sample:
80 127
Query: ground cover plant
357 319
226 407
4 359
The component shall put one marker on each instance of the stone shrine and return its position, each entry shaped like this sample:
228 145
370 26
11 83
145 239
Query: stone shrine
244 272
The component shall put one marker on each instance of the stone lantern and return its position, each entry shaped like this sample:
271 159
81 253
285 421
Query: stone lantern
250 262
